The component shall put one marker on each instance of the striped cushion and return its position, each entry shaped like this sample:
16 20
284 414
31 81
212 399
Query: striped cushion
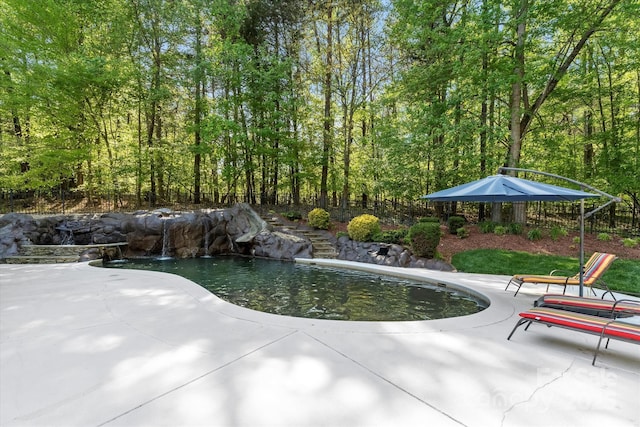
595 267
584 322
593 270
593 304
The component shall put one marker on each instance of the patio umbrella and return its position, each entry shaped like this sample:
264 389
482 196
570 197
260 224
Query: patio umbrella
505 188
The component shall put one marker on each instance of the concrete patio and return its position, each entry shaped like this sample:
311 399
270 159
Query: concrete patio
85 346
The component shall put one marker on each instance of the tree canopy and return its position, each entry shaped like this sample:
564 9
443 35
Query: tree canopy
329 101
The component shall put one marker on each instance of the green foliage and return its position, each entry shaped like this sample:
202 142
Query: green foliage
292 216
424 238
515 228
126 105
462 233
604 237
630 243
576 240
534 234
319 218
391 236
363 227
454 223
429 219
487 226
557 232
342 234
621 276
500 230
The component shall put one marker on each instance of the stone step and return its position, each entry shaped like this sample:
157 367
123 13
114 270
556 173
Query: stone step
322 247
40 259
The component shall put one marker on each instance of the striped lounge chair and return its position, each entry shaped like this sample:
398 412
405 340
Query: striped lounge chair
591 306
594 268
616 328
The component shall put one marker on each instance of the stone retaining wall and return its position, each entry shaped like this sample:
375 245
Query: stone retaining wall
238 230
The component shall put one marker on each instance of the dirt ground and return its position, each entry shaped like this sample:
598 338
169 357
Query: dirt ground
565 246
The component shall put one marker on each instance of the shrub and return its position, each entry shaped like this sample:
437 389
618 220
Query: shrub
516 228
292 216
576 240
340 234
424 238
462 233
500 230
429 219
604 237
487 226
391 236
363 227
454 223
534 234
319 218
629 242
557 232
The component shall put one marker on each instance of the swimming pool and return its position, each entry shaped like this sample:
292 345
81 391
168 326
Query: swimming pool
310 291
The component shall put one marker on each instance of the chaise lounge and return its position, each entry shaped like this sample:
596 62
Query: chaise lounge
609 327
592 306
595 267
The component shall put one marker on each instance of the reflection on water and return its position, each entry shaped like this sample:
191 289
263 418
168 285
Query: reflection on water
315 292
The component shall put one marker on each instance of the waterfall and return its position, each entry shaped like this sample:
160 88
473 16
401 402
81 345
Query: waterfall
66 235
205 223
165 239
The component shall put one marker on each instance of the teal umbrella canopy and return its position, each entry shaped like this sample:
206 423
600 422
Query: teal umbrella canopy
505 188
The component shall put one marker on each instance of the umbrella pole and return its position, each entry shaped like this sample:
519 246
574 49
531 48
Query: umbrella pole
581 247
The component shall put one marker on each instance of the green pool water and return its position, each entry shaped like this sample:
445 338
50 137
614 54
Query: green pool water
291 289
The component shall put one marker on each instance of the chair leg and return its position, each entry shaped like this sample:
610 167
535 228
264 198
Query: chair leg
508 284
520 323
514 282
595 355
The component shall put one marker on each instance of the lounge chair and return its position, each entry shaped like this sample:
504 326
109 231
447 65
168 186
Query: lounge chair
594 268
615 328
592 306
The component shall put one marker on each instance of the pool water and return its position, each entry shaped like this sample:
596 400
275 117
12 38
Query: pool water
308 291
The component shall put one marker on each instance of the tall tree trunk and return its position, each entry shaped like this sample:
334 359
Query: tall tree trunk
327 135
517 89
199 88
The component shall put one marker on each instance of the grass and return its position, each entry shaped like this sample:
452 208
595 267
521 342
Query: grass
623 275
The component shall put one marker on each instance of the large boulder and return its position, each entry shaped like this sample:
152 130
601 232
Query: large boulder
282 246
14 230
385 254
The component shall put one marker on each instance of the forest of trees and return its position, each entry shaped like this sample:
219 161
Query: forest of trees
329 101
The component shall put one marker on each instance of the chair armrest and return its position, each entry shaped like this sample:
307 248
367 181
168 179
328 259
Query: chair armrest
626 311
565 272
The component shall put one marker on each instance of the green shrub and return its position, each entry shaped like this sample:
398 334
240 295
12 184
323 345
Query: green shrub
454 223
391 236
363 227
576 240
516 228
534 234
500 230
487 226
462 233
629 242
292 216
341 234
319 218
424 238
557 232
429 219
604 237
